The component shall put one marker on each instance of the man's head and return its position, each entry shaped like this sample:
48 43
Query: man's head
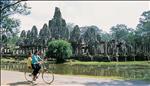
36 52
29 53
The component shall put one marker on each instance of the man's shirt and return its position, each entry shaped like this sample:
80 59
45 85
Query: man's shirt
36 59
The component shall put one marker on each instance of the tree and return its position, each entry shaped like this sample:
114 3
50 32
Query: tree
143 34
59 49
9 8
119 32
120 35
106 36
9 25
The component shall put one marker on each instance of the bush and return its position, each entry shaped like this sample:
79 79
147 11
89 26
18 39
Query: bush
83 57
100 58
140 56
60 50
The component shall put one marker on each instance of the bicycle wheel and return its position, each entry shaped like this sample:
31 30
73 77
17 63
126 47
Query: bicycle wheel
47 76
28 75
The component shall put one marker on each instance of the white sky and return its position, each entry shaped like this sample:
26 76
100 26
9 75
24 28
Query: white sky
103 14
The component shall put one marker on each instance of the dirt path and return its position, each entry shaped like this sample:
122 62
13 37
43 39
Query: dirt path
13 78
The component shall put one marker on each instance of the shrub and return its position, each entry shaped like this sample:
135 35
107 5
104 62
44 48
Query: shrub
60 50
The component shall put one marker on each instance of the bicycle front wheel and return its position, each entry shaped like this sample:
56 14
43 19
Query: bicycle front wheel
47 76
28 75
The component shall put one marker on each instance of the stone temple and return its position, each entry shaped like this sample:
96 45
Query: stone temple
84 40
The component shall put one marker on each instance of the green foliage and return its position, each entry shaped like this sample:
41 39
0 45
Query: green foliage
12 41
106 36
59 49
120 31
8 24
9 8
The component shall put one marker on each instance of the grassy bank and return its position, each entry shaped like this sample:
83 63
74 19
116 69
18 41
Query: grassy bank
144 63
75 62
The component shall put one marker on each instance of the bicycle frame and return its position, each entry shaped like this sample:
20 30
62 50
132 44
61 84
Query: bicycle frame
44 71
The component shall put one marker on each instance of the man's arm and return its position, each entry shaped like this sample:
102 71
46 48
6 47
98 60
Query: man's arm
39 58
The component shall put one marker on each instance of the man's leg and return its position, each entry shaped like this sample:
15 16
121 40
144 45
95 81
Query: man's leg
34 71
38 67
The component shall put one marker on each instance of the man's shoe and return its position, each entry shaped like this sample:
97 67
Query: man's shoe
34 78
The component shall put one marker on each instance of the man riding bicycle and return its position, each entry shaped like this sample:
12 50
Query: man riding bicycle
36 64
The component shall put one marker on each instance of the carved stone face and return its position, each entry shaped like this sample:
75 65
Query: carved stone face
58 27
57 13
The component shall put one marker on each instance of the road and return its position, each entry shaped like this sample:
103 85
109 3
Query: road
13 78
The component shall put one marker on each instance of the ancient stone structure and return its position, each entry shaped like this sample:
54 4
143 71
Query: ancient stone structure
84 40
58 27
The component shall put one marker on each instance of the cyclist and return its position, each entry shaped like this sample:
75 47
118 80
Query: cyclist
36 64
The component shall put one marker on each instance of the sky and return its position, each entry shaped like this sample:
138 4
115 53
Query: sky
103 14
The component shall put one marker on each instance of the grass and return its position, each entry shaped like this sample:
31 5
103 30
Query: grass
75 62
142 63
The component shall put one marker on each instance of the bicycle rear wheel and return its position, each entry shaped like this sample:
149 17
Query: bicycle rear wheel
47 76
28 74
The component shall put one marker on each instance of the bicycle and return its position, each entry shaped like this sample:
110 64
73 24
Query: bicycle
47 76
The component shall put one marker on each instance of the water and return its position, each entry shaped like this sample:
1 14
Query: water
132 72
124 71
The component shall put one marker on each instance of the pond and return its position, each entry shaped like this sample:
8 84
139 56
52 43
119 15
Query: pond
123 71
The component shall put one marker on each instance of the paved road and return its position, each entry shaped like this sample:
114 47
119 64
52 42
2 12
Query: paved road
13 78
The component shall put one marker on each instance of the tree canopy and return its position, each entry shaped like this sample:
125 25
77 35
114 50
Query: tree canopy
8 9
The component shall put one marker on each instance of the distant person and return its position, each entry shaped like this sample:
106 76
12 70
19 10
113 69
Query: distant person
29 60
36 64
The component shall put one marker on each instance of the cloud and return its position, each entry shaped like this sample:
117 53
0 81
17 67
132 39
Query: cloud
27 22
149 5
